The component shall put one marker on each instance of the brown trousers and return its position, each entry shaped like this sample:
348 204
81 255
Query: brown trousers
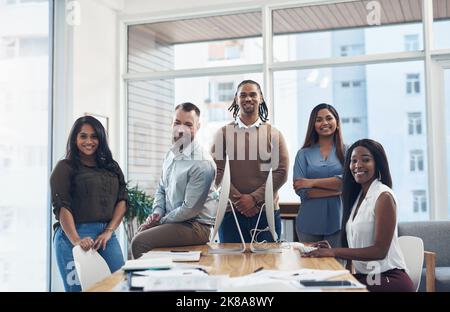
170 235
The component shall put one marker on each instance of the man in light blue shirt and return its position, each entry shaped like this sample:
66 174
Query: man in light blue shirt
184 207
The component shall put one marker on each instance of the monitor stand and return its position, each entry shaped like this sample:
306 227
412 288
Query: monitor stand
255 249
221 250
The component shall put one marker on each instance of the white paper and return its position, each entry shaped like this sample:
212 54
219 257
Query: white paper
147 264
302 274
140 279
185 283
174 256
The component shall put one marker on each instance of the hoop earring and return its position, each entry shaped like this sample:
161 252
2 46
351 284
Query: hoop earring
379 176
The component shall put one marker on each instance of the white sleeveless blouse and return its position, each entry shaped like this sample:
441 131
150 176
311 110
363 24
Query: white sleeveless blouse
361 233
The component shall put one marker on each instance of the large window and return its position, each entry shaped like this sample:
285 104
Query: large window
441 25
171 46
195 43
150 120
24 145
370 111
447 117
342 29
365 58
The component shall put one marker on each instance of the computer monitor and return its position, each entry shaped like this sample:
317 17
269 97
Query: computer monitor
268 198
269 209
221 209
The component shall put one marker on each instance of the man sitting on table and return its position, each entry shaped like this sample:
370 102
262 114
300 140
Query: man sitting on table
184 209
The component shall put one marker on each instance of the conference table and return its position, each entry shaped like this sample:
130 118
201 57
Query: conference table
242 264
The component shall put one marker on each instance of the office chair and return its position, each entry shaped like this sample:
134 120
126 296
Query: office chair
413 250
91 267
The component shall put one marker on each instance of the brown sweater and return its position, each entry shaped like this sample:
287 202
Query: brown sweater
251 153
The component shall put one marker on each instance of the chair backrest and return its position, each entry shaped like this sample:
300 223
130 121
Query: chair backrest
435 236
412 249
91 267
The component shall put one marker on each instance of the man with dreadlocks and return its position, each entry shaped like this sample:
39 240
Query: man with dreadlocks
253 147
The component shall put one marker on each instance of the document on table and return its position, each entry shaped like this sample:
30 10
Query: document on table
185 283
276 280
148 264
302 274
248 283
175 256
140 279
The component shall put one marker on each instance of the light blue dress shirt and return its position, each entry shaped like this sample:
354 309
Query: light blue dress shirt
318 216
186 188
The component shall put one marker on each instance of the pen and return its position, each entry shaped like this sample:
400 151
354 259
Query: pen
203 270
258 269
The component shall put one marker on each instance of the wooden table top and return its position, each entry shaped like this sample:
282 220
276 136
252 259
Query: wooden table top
241 264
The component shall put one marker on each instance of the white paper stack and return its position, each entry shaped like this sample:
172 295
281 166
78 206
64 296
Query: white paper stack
148 264
175 256
195 282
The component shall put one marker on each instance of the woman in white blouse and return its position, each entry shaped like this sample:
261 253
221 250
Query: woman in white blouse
370 220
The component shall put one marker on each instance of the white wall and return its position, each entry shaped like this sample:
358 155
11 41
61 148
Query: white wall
95 64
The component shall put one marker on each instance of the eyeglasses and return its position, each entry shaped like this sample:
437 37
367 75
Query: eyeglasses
244 95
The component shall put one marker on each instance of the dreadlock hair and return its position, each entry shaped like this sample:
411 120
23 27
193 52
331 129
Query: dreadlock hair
263 112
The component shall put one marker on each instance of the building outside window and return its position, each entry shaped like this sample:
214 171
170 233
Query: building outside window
419 201
226 50
352 49
414 123
413 84
225 91
411 42
351 84
232 52
416 160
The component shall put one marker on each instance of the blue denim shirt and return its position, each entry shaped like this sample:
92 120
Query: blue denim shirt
186 188
318 216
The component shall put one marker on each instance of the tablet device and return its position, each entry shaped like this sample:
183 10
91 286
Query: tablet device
321 284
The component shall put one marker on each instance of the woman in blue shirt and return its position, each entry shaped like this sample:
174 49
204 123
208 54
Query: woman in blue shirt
317 178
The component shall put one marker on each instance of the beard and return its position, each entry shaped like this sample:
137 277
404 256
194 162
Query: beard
181 141
248 108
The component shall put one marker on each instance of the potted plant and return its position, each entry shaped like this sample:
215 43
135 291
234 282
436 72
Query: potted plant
139 207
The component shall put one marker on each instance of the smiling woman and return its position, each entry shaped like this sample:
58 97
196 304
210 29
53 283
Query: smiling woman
370 221
89 199
87 143
317 171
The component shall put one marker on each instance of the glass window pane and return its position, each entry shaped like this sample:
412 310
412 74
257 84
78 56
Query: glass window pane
441 25
195 43
150 112
295 95
447 116
347 29
24 128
